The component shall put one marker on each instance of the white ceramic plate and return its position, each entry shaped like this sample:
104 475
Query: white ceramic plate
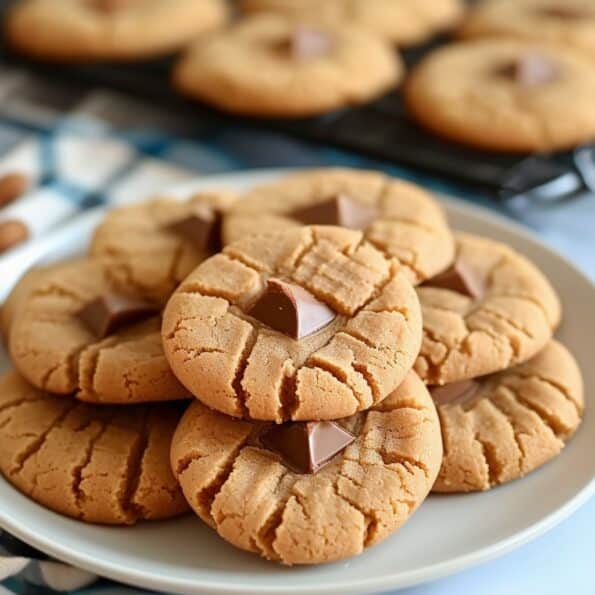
447 534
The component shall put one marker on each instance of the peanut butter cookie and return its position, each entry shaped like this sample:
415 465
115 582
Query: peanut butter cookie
310 323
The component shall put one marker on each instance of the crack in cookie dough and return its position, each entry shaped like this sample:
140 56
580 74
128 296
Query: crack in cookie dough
514 423
237 365
359 498
513 319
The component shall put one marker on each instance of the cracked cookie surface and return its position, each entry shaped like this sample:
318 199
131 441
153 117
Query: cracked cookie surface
511 322
82 30
405 22
96 464
55 351
362 496
516 421
143 252
565 22
244 69
461 92
410 224
237 365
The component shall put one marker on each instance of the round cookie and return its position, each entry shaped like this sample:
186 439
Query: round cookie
505 95
56 350
566 22
83 30
501 427
271 66
408 223
96 464
310 323
405 22
492 310
364 493
155 244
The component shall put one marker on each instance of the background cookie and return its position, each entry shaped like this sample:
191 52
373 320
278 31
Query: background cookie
97 464
55 350
567 22
510 320
234 361
81 30
505 95
366 492
405 22
271 66
155 244
500 427
407 223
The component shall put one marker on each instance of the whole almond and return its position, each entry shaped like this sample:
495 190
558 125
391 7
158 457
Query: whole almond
12 232
11 187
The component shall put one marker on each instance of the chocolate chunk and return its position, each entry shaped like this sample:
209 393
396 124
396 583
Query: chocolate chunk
291 310
338 210
305 43
110 312
460 278
455 393
202 228
305 447
531 70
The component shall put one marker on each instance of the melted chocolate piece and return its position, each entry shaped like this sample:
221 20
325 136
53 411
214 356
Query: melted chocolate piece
531 70
110 312
305 43
455 393
202 228
460 278
291 310
109 6
338 210
306 447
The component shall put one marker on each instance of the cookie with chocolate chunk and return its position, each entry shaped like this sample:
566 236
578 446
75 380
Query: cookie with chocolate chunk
272 66
155 244
310 323
569 23
105 465
87 30
500 427
404 22
256 484
398 217
505 95
76 332
492 310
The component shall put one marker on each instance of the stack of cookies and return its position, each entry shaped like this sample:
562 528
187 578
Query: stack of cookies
300 366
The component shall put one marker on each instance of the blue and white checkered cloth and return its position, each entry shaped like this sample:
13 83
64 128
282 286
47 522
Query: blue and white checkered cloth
79 151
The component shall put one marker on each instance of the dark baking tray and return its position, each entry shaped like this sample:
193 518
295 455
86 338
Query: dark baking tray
380 129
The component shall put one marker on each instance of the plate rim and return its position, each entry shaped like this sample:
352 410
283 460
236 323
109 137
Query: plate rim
147 579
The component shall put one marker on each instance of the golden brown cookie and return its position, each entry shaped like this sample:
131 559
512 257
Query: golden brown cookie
358 319
271 66
83 30
97 464
257 502
505 95
566 22
56 350
501 427
405 22
155 244
499 311
398 217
